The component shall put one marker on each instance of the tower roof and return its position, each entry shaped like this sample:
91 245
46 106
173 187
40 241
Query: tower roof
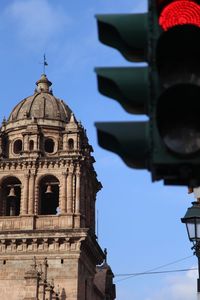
42 105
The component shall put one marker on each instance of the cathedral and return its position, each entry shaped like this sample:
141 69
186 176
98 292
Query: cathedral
48 187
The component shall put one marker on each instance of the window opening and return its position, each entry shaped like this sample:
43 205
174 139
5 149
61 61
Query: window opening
11 197
49 146
71 144
49 195
17 147
31 145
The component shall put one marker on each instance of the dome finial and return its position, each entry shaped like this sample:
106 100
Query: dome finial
44 64
43 84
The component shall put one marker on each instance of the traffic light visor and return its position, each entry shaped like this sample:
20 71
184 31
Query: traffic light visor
126 32
130 140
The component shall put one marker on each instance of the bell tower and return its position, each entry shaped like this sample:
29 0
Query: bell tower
48 189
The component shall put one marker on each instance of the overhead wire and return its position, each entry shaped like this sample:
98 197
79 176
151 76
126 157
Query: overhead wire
156 272
151 271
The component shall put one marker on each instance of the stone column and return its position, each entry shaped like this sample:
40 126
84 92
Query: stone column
82 200
25 195
69 191
25 143
64 142
31 194
73 192
63 198
36 204
78 190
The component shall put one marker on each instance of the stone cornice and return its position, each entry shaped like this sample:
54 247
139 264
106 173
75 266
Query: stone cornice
41 242
66 242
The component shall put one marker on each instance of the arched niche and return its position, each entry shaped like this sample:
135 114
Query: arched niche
70 144
48 195
10 196
49 145
17 146
31 145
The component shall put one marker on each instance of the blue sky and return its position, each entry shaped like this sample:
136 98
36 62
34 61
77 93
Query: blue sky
139 221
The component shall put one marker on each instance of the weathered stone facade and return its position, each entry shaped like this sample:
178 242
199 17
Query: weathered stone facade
48 191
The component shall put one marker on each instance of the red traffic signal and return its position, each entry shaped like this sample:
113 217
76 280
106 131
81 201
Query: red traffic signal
178 12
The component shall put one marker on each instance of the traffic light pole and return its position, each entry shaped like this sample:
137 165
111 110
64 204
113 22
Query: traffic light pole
198 280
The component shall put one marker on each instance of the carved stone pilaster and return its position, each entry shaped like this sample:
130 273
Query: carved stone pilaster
36 204
63 197
78 191
31 194
69 191
25 195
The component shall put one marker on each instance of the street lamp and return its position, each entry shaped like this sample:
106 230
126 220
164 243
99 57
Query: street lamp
192 222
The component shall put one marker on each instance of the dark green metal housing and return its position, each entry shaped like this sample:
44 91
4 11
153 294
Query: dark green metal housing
167 90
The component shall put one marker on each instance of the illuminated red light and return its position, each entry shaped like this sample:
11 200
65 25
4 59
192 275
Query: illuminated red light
180 12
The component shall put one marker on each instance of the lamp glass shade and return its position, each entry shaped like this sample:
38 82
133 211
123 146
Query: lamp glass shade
197 229
191 230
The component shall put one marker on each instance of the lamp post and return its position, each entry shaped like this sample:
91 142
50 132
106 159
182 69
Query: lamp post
192 222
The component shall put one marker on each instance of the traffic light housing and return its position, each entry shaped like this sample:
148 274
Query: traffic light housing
167 89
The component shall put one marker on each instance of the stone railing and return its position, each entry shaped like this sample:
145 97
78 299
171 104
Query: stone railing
16 223
46 222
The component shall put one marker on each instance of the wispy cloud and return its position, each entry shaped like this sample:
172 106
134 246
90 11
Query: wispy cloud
180 287
36 21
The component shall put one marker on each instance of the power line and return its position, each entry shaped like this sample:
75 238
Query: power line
156 268
157 272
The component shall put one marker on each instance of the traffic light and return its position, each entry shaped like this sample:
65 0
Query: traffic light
167 89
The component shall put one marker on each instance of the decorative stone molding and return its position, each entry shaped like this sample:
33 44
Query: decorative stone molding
40 245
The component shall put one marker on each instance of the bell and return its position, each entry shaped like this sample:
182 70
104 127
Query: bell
12 192
49 190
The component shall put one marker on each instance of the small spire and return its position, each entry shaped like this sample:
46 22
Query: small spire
72 118
44 64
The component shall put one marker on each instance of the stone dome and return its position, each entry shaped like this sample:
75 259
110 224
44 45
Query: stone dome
42 105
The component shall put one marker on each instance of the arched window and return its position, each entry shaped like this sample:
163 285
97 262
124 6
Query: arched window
49 195
10 196
31 145
49 145
17 146
71 144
